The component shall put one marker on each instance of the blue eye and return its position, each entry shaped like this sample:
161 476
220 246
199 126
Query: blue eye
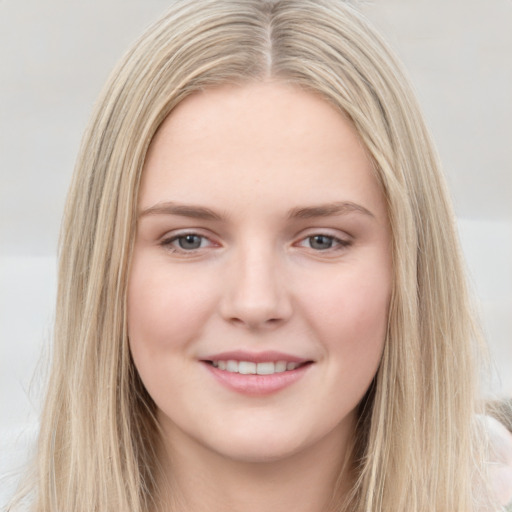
186 242
189 242
321 242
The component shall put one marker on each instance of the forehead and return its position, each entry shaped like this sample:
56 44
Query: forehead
269 141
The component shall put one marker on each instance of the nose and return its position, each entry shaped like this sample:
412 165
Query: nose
256 294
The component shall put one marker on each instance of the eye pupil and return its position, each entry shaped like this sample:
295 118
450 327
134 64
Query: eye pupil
320 242
189 242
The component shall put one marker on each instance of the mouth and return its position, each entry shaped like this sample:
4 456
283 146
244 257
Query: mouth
256 374
254 368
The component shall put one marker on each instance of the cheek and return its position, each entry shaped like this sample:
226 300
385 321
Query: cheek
166 308
351 315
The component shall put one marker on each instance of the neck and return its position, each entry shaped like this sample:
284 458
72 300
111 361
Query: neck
197 479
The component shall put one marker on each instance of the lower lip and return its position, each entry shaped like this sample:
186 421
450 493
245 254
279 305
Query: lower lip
257 385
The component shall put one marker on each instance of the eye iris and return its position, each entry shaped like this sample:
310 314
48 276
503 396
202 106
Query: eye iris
320 242
189 242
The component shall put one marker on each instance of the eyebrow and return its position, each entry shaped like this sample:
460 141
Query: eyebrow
306 212
329 209
183 210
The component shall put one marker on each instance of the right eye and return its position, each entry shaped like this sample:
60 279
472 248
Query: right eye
186 242
321 242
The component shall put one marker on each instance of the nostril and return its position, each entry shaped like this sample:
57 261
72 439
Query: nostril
254 322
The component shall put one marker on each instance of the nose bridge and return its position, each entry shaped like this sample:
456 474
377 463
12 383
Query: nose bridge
256 294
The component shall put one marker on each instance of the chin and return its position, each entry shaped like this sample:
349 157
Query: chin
258 451
266 441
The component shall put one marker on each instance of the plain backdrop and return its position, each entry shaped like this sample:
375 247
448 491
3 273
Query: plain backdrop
55 56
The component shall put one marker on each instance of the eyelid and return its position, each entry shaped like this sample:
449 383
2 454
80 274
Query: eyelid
167 240
341 241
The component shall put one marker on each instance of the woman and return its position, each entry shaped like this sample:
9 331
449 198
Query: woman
261 299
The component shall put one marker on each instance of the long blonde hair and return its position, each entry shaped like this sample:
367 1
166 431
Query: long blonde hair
415 446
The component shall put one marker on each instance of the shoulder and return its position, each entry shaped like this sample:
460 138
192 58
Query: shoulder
500 463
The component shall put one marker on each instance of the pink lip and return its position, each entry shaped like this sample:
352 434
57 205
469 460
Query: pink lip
255 357
256 385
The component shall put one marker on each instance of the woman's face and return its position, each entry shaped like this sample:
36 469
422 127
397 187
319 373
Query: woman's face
262 246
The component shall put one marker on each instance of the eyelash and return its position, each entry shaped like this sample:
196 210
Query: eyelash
337 244
168 243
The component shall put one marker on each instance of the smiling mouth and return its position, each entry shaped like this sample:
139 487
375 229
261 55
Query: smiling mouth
253 368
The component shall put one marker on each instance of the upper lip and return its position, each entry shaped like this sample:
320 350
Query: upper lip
255 357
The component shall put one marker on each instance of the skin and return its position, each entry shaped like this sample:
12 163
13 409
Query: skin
265 275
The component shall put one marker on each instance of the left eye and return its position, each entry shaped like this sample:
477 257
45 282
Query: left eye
187 242
323 242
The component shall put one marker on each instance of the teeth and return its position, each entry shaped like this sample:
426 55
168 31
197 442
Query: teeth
280 366
232 366
250 368
265 368
246 368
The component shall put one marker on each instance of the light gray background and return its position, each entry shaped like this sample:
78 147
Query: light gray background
56 54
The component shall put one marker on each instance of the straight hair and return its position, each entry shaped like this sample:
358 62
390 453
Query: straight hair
417 446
